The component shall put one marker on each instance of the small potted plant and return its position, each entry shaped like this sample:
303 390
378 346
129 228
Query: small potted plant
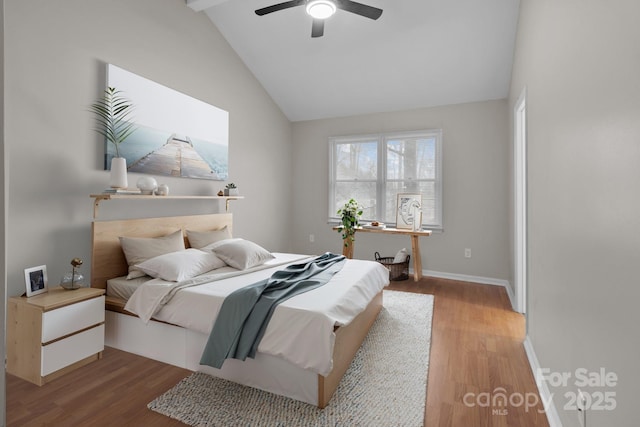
350 215
231 190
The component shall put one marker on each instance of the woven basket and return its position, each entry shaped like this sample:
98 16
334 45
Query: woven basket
398 270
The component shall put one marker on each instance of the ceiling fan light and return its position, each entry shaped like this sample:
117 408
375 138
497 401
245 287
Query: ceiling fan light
321 9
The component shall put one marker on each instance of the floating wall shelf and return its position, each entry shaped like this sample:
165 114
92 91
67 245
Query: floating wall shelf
100 197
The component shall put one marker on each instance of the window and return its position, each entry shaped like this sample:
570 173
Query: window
373 169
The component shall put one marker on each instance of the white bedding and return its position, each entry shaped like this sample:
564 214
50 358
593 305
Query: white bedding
301 330
123 288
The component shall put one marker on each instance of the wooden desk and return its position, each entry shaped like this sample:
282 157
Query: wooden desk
415 244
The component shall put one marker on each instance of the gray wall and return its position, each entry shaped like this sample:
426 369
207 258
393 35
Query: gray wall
580 64
56 53
3 253
475 145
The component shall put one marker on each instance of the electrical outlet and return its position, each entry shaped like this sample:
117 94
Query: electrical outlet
312 238
467 253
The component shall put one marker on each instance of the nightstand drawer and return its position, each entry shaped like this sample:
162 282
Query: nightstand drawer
65 352
72 318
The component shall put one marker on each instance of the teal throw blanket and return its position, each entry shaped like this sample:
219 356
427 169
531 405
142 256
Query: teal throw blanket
246 312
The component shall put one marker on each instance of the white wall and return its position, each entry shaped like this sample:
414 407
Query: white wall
56 53
580 64
475 181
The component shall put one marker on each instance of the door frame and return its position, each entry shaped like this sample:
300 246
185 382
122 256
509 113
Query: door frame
520 201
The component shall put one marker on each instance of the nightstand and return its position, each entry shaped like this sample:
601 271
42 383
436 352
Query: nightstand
53 333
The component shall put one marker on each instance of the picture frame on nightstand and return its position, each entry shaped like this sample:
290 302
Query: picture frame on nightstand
35 279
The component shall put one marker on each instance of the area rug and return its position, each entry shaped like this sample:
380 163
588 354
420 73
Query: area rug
384 386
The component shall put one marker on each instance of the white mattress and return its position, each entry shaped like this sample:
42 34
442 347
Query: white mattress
302 328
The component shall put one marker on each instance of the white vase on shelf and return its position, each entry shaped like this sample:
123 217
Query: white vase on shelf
162 190
118 177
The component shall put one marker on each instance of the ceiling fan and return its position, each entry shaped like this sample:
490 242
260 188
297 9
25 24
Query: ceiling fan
323 9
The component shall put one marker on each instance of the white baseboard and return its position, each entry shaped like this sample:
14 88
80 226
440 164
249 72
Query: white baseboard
512 297
466 278
545 395
475 279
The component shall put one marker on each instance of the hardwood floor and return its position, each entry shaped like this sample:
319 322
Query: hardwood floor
477 352
476 349
113 391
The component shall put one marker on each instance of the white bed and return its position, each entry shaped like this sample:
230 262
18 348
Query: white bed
307 346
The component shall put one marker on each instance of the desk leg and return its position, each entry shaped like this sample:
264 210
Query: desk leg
347 251
417 258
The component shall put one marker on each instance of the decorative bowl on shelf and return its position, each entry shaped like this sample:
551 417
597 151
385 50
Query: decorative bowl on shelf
374 224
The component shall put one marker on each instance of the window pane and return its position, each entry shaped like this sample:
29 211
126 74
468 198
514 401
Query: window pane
357 160
428 211
392 190
363 192
411 158
426 188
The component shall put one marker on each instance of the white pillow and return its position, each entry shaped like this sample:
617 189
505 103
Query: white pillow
401 256
140 249
210 247
182 265
200 239
240 253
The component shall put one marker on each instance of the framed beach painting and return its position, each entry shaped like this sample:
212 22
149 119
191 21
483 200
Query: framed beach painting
176 134
36 280
409 211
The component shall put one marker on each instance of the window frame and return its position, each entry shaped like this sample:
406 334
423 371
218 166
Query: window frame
381 180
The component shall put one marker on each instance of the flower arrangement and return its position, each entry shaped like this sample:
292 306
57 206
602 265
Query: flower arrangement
350 214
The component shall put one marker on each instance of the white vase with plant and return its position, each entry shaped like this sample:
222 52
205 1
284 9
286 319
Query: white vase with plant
113 117
350 215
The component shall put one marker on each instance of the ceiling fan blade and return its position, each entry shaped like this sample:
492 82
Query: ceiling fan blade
317 28
359 9
279 6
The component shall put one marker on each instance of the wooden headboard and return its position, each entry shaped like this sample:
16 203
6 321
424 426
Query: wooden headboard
107 258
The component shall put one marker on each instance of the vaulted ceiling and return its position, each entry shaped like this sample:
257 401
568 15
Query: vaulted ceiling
419 53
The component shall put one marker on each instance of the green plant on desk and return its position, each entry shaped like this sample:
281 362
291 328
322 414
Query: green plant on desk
350 215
